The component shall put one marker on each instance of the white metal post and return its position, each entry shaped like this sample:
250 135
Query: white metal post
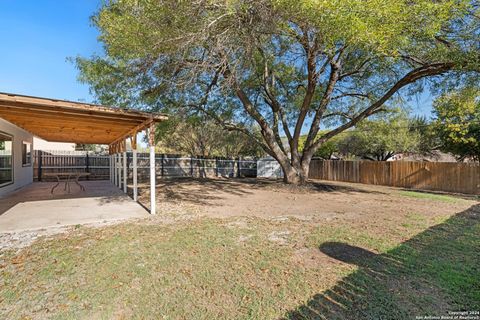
125 173
135 171
110 167
115 177
119 172
114 169
152 169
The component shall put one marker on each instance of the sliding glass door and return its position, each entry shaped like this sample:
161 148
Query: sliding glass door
6 159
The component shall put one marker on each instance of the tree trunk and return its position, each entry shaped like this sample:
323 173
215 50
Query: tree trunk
295 173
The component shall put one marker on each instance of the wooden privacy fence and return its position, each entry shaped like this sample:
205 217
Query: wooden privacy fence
439 176
165 165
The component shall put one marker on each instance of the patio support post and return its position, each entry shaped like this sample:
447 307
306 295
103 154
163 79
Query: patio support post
114 167
110 166
114 157
134 164
119 173
151 140
125 173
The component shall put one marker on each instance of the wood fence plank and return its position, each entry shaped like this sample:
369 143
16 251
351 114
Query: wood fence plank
437 176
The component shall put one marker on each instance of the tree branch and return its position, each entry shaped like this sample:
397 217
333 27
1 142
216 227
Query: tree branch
307 100
269 135
357 95
357 70
315 126
412 76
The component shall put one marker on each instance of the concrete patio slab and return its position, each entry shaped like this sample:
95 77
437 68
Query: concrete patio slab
34 207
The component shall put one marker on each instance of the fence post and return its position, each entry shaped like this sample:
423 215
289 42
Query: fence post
239 168
191 166
161 164
87 165
216 167
39 155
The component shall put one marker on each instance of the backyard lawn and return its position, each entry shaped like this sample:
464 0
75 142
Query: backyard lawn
242 249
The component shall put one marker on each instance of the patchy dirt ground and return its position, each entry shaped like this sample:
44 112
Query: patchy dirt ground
22 239
221 198
317 202
327 250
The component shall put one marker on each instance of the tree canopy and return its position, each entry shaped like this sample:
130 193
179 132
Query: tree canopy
202 137
381 138
457 123
288 66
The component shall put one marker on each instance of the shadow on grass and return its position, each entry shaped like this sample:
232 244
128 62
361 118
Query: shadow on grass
433 273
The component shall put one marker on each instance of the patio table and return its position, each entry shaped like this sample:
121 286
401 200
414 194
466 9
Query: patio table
67 177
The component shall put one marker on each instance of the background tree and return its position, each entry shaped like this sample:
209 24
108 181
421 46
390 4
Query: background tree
202 137
381 138
457 123
327 149
289 66
429 142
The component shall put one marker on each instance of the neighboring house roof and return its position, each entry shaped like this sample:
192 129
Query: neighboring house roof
67 121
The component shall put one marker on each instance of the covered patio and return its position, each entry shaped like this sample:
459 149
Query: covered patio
36 206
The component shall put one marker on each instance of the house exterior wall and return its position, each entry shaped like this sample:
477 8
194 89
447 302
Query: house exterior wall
41 144
22 175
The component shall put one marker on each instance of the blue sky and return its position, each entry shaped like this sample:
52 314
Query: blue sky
38 37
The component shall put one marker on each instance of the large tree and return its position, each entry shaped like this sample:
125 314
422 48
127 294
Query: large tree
288 66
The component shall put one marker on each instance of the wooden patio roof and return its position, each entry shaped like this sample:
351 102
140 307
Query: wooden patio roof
66 121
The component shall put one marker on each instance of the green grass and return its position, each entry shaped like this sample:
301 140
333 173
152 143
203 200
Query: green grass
429 196
434 272
215 269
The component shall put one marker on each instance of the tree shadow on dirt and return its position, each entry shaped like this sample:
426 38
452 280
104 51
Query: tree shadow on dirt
431 274
200 191
204 191
311 186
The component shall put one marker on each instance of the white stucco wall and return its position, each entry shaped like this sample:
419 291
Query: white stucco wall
22 176
41 144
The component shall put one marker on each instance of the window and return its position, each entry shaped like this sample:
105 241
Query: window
26 154
6 161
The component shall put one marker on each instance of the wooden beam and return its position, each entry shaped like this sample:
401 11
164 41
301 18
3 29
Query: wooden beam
76 113
19 113
73 106
66 121
69 129
146 124
133 141
101 136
